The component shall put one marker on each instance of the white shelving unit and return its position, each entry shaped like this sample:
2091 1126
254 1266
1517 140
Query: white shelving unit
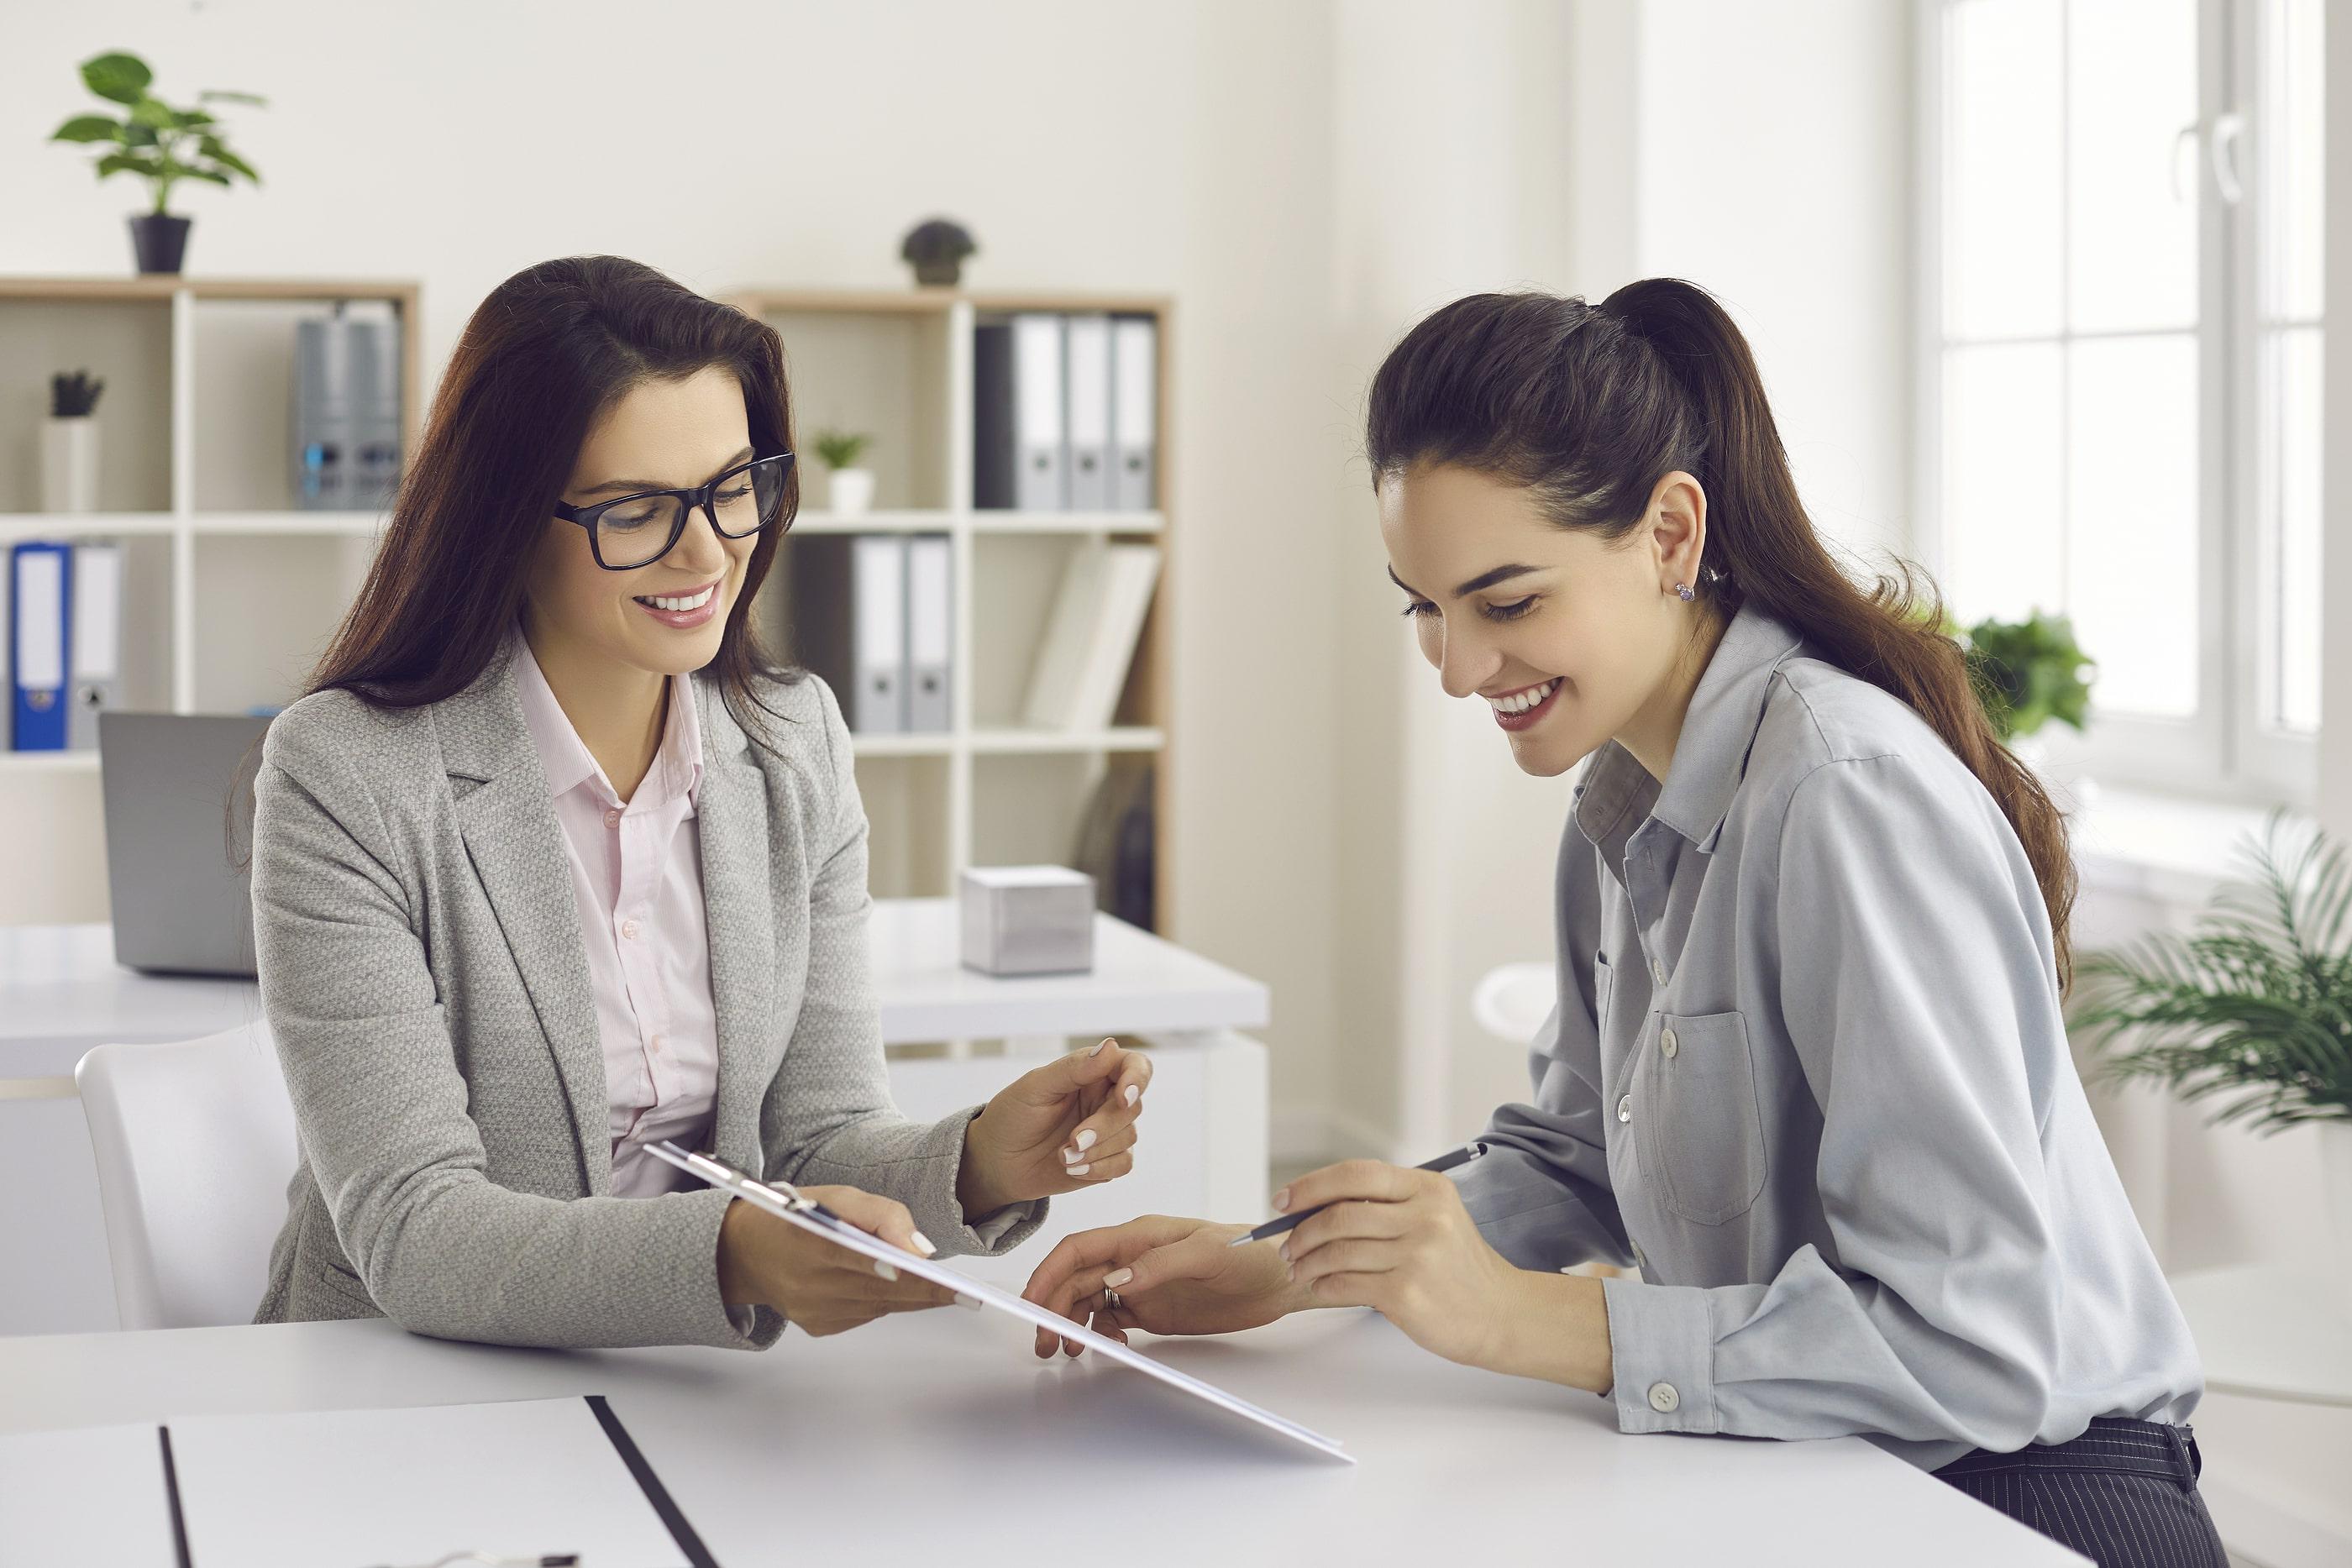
231 592
194 425
899 365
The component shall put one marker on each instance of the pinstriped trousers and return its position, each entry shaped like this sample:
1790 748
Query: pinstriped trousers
2123 1494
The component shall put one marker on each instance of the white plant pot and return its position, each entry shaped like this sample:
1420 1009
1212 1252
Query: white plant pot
850 492
69 464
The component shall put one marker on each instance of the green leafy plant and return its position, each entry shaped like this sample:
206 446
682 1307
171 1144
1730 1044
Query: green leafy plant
2254 1004
73 394
2027 673
842 448
160 144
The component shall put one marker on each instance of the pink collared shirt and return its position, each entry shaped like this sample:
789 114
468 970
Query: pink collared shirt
636 879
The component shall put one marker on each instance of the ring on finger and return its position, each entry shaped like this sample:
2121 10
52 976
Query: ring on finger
1112 1301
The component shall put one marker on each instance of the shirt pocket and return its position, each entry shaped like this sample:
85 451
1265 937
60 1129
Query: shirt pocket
1696 1119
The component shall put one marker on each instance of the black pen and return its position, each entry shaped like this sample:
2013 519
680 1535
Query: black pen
1444 1162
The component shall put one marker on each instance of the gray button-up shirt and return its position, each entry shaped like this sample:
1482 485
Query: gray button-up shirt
1809 1069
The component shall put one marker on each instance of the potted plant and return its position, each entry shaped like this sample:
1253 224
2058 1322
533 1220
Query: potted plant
850 488
69 444
2252 1009
160 144
937 249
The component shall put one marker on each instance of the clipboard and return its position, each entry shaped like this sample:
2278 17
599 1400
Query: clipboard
788 1204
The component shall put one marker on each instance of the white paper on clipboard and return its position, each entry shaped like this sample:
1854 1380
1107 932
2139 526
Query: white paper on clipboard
757 1192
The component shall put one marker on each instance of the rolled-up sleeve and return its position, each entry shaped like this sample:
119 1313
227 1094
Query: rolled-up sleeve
1914 984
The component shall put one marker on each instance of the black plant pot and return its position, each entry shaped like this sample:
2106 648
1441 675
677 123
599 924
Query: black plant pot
160 240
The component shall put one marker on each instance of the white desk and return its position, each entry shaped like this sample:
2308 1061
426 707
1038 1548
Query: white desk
61 992
1204 1149
943 1425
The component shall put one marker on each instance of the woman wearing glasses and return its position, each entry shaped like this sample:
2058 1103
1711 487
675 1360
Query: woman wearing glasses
551 866
1808 1069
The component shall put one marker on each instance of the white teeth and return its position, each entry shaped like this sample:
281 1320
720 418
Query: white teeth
1521 702
694 601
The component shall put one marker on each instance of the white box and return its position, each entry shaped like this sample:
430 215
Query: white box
1028 920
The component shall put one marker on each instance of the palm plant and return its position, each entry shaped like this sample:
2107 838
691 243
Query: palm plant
2251 1008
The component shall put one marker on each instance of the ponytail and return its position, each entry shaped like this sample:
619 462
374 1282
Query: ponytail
1588 406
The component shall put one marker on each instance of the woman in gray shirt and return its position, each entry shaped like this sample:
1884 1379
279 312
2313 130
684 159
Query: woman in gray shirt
1809 1069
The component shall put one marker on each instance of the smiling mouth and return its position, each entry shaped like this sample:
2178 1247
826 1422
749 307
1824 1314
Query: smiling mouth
1524 700
678 603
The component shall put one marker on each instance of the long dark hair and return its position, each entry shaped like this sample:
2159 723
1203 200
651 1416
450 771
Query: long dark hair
1588 406
542 359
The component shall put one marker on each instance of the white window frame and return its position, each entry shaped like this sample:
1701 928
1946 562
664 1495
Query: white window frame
2225 750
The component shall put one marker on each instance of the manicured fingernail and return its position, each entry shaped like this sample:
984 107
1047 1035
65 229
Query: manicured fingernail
1097 1051
1112 1282
884 1269
1080 1170
923 1245
1281 1201
970 1303
1134 1093
1087 1139
1069 1156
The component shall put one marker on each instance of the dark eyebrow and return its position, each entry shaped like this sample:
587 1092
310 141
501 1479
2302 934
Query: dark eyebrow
1483 580
743 455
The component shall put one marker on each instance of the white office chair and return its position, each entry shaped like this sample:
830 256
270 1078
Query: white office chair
195 1144
1513 1000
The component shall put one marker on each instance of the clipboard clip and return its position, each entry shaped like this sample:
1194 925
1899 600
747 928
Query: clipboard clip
735 1181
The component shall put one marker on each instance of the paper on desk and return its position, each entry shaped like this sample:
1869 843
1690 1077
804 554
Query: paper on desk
988 1295
92 1495
300 1489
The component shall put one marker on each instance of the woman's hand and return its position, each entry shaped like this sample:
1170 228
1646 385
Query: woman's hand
819 1284
1172 1276
1056 1128
1400 1242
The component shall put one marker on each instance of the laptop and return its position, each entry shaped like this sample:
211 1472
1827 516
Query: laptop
178 849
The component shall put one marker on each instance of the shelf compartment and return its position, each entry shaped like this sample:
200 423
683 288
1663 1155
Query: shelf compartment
127 343
241 400
264 609
880 371
906 800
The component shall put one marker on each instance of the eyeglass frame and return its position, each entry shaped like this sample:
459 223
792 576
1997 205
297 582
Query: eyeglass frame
702 497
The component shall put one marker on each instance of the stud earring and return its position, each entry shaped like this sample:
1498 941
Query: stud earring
1682 589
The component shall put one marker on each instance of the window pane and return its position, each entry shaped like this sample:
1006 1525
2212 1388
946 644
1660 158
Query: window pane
2000 178
2004 550
2289 147
2289 623
2131 89
2131 507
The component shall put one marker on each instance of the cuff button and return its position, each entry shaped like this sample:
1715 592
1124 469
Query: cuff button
1662 1397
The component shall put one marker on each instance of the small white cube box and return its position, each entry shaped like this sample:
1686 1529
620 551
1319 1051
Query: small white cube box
1028 920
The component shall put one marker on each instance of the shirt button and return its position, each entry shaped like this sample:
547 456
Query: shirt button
612 818
1668 1043
1625 1108
629 929
1662 1397
1657 971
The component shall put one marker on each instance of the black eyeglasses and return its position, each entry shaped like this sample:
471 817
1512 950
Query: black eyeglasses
637 530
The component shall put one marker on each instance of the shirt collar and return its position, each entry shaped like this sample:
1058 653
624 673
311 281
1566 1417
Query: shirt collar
566 760
1710 754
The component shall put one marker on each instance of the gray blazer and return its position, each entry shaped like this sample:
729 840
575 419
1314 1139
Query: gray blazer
423 970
